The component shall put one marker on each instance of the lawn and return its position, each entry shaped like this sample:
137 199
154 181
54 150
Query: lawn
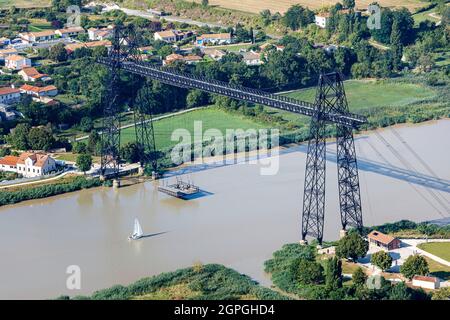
37 25
25 3
440 249
210 117
425 15
364 95
438 270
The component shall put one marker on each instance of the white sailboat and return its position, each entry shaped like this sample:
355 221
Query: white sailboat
137 231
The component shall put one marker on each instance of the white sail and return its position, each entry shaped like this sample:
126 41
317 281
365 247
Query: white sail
137 229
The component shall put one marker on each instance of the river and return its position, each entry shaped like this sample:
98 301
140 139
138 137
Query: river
239 222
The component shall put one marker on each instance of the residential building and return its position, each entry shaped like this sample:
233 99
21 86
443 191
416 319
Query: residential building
9 163
4 41
192 59
171 35
321 19
41 36
16 62
251 58
32 75
426 282
100 33
384 241
7 52
72 32
215 54
171 58
7 112
48 91
32 164
74 46
9 95
214 38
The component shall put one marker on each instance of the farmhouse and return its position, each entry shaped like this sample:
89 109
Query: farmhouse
32 75
426 282
171 35
214 38
384 241
28 164
16 62
251 58
70 32
49 91
9 95
214 53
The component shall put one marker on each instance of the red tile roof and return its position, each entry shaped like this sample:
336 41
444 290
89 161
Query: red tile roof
9 160
8 90
426 278
381 237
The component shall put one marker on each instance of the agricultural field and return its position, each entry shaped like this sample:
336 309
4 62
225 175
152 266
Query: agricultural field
25 3
364 96
210 117
256 6
440 249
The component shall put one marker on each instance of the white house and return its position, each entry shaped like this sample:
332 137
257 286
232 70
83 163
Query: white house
9 163
7 52
32 75
100 34
426 282
214 38
16 62
251 58
321 19
41 36
72 32
35 164
167 36
9 95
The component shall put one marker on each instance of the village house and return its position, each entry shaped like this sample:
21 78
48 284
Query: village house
7 112
215 54
321 19
71 47
100 34
251 58
7 52
16 62
171 36
41 36
32 75
213 38
384 241
190 59
28 164
426 282
9 95
49 91
69 32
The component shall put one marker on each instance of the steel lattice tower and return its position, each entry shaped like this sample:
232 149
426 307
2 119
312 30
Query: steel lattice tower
330 97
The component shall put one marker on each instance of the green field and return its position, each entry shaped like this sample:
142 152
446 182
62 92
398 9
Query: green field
365 95
24 3
440 249
210 117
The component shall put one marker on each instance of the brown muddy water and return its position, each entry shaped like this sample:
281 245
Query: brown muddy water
242 218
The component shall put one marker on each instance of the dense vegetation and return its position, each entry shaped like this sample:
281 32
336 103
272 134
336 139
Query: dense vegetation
410 229
322 279
201 282
23 194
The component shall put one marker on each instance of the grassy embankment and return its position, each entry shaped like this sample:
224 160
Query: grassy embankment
440 249
200 282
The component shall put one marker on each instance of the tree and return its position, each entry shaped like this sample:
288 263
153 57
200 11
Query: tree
205 3
400 292
441 294
359 277
266 17
349 4
130 152
307 272
40 138
58 53
86 124
19 137
93 143
397 46
79 147
382 260
84 162
333 273
352 246
297 17
196 98
414 265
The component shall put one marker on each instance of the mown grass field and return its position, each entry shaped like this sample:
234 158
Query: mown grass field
25 3
438 270
440 249
256 6
210 117
366 94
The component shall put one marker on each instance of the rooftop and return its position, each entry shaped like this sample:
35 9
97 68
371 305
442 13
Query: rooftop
381 237
426 278
8 90
9 160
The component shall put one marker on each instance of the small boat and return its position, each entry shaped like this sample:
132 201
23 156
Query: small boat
137 231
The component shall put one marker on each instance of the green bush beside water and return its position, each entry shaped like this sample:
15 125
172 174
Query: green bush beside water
11 197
